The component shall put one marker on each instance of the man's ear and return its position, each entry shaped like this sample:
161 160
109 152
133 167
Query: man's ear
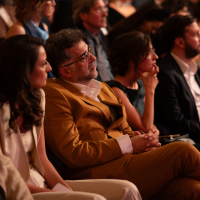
180 42
83 16
66 72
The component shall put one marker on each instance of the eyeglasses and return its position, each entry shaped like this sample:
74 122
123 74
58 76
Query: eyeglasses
86 56
101 9
152 52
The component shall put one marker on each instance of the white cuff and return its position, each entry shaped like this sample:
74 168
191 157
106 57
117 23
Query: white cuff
125 144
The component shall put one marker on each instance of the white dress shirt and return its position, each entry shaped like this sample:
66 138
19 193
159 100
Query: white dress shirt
92 90
189 71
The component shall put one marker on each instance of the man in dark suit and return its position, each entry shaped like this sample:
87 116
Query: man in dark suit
177 96
90 16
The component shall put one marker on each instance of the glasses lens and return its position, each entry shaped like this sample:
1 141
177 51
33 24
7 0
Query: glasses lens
90 50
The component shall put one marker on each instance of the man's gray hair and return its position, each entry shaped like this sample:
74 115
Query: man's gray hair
81 6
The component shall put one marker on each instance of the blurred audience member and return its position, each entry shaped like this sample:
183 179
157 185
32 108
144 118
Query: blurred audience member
7 17
177 103
147 19
29 14
132 55
176 7
173 7
90 16
119 9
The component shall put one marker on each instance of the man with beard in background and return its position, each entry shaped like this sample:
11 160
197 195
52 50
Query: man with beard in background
177 96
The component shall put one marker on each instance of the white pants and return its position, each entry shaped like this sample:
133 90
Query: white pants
95 189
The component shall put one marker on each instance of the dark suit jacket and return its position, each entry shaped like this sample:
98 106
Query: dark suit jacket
174 104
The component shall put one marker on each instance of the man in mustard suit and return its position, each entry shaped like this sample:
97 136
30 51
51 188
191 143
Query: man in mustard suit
88 136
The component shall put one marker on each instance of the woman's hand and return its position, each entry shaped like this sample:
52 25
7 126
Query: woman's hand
150 81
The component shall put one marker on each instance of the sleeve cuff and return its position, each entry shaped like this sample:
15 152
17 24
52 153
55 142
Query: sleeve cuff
125 144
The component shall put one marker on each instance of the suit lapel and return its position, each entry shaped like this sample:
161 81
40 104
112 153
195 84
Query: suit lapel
102 105
184 82
186 86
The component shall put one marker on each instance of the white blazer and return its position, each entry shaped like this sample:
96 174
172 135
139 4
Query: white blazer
12 145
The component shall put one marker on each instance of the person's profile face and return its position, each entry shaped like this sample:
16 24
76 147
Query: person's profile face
39 75
149 63
192 40
150 27
46 8
83 68
97 16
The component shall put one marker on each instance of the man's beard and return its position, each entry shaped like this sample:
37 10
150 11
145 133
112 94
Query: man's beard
190 52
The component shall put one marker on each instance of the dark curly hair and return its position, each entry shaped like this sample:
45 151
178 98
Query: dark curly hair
57 44
18 55
133 46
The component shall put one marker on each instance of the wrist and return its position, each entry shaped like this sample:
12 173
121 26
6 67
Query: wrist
149 91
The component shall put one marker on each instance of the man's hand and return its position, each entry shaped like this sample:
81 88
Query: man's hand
144 142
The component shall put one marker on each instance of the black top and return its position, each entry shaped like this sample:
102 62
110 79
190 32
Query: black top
136 97
113 16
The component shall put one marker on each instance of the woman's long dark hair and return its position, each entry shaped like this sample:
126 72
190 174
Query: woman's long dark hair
133 46
18 55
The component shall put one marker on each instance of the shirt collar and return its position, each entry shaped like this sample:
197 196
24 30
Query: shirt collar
92 89
93 36
191 67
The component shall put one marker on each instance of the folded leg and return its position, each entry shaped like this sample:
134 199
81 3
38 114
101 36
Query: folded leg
67 196
151 171
109 188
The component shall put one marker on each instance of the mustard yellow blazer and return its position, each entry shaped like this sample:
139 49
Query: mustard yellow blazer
80 132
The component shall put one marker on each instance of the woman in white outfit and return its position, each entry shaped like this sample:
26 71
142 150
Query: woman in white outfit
23 69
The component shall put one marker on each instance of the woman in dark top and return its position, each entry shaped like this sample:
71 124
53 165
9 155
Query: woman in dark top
119 9
133 61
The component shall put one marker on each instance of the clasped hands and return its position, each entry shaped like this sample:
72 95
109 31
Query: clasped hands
145 142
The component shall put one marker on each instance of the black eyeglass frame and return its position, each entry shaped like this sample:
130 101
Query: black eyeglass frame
86 54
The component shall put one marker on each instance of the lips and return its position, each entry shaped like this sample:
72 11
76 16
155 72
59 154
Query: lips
92 67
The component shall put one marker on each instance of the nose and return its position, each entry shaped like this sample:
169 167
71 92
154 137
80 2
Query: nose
53 3
92 58
49 69
105 13
155 56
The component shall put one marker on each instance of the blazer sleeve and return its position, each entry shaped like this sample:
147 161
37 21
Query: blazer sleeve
63 137
173 105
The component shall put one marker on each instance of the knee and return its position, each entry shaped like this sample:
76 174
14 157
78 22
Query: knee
129 190
183 148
